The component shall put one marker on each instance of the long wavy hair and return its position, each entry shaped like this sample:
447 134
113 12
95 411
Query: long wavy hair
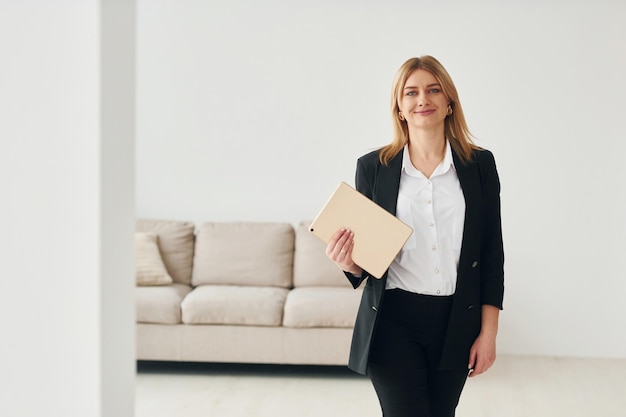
455 127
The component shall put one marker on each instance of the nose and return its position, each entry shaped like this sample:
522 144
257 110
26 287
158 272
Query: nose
422 99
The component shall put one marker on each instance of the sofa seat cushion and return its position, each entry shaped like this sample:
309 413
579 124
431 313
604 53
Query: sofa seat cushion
160 304
233 304
321 307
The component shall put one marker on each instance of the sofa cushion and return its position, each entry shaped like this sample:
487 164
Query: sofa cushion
321 307
229 304
160 304
256 254
149 267
311 266
176 243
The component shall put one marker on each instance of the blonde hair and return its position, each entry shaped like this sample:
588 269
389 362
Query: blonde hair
455 127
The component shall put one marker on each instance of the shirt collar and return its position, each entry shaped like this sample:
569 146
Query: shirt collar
442 168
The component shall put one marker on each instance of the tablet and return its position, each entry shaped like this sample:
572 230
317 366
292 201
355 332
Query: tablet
378 234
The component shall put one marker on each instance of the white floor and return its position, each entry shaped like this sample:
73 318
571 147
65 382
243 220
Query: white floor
515 387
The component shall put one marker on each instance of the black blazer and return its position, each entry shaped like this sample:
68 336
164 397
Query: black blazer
480 275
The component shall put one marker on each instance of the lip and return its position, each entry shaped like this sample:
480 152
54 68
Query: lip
425 112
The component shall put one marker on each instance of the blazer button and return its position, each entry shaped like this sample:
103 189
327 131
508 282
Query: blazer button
374 308
474 264
471 306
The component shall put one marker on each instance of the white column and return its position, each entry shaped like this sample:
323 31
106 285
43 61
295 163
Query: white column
66 208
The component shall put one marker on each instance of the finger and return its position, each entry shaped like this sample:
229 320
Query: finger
341 248
478 368
350 247
351 240
482 365
335 237
344 258
333 242
346 250
474 372
472 358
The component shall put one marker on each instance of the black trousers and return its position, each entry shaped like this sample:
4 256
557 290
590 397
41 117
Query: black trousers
405 354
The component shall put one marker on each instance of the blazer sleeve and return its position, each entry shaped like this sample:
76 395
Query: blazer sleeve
363 182
492 253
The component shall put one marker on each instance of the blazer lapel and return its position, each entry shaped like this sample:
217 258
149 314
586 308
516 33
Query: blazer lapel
387 186
469 178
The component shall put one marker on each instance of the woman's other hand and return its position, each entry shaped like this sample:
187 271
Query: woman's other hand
339 250
483 351
482 355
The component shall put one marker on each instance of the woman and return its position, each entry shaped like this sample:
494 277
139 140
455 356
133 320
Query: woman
432 318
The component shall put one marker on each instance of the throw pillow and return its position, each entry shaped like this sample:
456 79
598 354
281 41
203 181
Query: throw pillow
149 266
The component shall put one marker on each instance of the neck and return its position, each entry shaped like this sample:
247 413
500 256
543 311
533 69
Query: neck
427 145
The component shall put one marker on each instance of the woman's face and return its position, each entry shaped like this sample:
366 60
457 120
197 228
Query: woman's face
423 103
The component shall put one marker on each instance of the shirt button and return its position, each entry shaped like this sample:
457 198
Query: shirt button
432 224
434 247
438 292
428 201
436 270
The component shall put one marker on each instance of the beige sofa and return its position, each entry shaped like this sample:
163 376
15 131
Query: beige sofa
240 293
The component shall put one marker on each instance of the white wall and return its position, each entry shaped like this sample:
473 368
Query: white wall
67 212
256 110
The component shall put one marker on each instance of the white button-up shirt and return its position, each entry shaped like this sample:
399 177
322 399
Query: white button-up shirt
435 209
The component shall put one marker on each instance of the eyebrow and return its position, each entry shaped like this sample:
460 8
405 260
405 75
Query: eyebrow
429 85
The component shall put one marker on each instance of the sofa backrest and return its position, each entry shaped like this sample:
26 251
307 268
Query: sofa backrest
311 267
244 253
176 244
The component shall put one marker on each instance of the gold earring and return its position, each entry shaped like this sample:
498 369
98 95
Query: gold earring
449 110
400 116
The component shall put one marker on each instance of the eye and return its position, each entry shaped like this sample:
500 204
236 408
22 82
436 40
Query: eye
434 90
411 93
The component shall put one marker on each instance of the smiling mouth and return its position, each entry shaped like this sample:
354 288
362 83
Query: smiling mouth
425 112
